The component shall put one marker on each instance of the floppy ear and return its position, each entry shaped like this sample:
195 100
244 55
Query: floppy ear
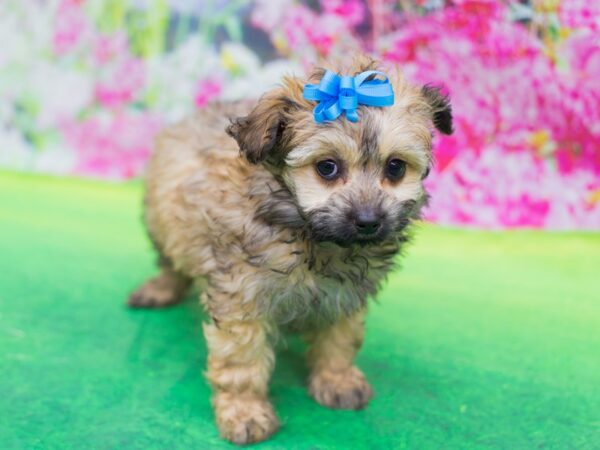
261 131
440 107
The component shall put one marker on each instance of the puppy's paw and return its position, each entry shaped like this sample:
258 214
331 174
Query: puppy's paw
155 293
244 420
347 389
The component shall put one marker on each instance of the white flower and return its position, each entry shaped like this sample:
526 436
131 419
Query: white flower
172 79
248 79
15 152
239 59
60 93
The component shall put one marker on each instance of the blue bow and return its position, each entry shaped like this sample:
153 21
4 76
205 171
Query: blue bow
337 94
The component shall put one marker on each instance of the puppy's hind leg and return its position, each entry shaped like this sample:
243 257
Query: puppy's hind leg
335 381
167 288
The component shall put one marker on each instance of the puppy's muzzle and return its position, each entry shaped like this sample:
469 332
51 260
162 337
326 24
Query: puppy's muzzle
367 223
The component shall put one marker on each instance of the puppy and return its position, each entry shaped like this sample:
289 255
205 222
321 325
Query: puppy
283 222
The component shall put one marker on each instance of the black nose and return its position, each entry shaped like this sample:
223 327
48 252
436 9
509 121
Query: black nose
367 223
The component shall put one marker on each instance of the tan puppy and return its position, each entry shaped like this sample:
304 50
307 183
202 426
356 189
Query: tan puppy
297 232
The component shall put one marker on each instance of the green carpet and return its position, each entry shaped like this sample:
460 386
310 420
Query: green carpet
483 340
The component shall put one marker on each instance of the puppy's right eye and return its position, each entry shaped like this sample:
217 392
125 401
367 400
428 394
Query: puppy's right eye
327 169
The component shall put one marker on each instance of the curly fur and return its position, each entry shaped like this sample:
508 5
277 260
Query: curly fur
269 243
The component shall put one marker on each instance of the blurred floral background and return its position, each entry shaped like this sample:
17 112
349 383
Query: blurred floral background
86 84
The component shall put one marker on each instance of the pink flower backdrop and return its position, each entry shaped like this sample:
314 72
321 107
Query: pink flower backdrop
85 85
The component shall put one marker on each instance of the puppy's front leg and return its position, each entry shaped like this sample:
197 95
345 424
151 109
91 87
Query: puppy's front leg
240 362
334 380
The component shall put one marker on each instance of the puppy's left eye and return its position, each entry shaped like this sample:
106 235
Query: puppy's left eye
395 169
328 169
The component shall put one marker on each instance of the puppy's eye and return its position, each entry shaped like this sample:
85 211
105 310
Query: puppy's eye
327 169
395 169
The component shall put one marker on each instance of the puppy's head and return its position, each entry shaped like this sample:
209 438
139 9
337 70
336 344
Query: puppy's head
349 182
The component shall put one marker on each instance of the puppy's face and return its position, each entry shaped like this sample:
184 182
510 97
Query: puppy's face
350 182
359 182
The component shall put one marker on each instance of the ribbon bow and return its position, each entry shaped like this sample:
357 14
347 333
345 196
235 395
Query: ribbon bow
337 94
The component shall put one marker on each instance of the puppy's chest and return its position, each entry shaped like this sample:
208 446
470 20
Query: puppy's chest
323 282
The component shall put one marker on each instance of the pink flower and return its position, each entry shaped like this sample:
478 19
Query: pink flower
301 29
207 90
579 14
120 83
114 146
504 190
527 130
110 47
352 12
70 27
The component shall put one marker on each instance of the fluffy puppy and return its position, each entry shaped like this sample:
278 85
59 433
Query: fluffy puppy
284 222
